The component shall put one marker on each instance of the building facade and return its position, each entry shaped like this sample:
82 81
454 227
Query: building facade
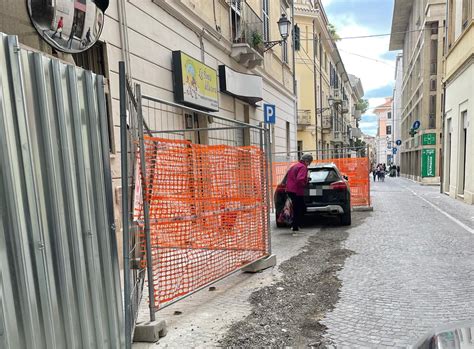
396 110
458 174
384 139
417 30
326 95
372 149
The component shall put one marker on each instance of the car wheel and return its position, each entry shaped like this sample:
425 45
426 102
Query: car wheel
346 217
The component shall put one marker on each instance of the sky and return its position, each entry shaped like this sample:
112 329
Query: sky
376 68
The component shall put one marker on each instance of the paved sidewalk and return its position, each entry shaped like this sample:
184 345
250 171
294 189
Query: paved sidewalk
206 315
413 268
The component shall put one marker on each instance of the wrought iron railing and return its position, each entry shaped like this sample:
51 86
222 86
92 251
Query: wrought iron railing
246 25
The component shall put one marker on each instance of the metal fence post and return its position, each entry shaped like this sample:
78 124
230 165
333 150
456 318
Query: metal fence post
146 205
370 169
125 213
268 172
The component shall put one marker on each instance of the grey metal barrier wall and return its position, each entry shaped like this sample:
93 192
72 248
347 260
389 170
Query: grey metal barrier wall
59 275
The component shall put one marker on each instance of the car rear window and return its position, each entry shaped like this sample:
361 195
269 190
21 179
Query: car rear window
322 175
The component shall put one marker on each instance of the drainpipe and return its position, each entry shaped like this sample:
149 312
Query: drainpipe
443 119
321 86
124 36
294 70
315 77
443 108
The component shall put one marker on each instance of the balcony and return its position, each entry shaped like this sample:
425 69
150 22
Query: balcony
246 34
304 118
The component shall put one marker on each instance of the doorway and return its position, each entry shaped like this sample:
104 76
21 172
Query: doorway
462 155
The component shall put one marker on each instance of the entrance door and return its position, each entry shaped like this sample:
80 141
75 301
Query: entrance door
462 155
448 157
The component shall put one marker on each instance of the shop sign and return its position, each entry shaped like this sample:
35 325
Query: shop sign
429 139
195 84
428 163
246 87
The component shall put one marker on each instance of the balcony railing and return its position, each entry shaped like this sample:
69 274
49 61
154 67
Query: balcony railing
246 25
304 117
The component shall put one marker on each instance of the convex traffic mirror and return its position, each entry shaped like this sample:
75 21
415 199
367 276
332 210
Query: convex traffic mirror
70 26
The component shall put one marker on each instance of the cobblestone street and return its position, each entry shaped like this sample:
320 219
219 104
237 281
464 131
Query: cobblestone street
412 268
408 266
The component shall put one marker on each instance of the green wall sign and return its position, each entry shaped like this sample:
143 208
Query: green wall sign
428 163
429 139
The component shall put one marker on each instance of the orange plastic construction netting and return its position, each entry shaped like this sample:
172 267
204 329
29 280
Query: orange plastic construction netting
208 213
357 169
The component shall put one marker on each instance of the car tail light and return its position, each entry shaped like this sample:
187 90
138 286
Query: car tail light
341 185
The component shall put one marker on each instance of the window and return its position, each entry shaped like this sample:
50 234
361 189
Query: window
266 20
324 175
434 28
236 25
451 17
432 112
284 51
389 130
389 115
433 83
315 46
300 149
466 12
434 50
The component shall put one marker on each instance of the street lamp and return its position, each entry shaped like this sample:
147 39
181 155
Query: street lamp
284 25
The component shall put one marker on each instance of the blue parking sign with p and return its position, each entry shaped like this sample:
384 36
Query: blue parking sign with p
269 111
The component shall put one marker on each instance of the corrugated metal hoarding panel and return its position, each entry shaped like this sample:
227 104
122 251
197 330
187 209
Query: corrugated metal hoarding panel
59 276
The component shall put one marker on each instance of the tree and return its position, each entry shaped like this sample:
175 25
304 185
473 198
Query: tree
360 147
333 32
362 105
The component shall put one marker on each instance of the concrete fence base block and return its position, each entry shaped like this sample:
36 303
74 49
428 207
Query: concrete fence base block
363 209
149 332
261 264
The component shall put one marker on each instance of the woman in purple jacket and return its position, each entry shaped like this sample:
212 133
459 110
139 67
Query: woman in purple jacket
296 183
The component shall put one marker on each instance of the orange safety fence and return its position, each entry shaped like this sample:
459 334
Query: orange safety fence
357 169
208 213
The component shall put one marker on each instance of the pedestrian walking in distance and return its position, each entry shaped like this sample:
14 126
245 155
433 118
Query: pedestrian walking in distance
398 171
296 183
374 173
59 29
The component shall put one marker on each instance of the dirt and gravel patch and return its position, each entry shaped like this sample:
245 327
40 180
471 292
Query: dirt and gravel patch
287 313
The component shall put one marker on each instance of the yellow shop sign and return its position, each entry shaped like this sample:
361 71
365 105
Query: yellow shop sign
195 84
